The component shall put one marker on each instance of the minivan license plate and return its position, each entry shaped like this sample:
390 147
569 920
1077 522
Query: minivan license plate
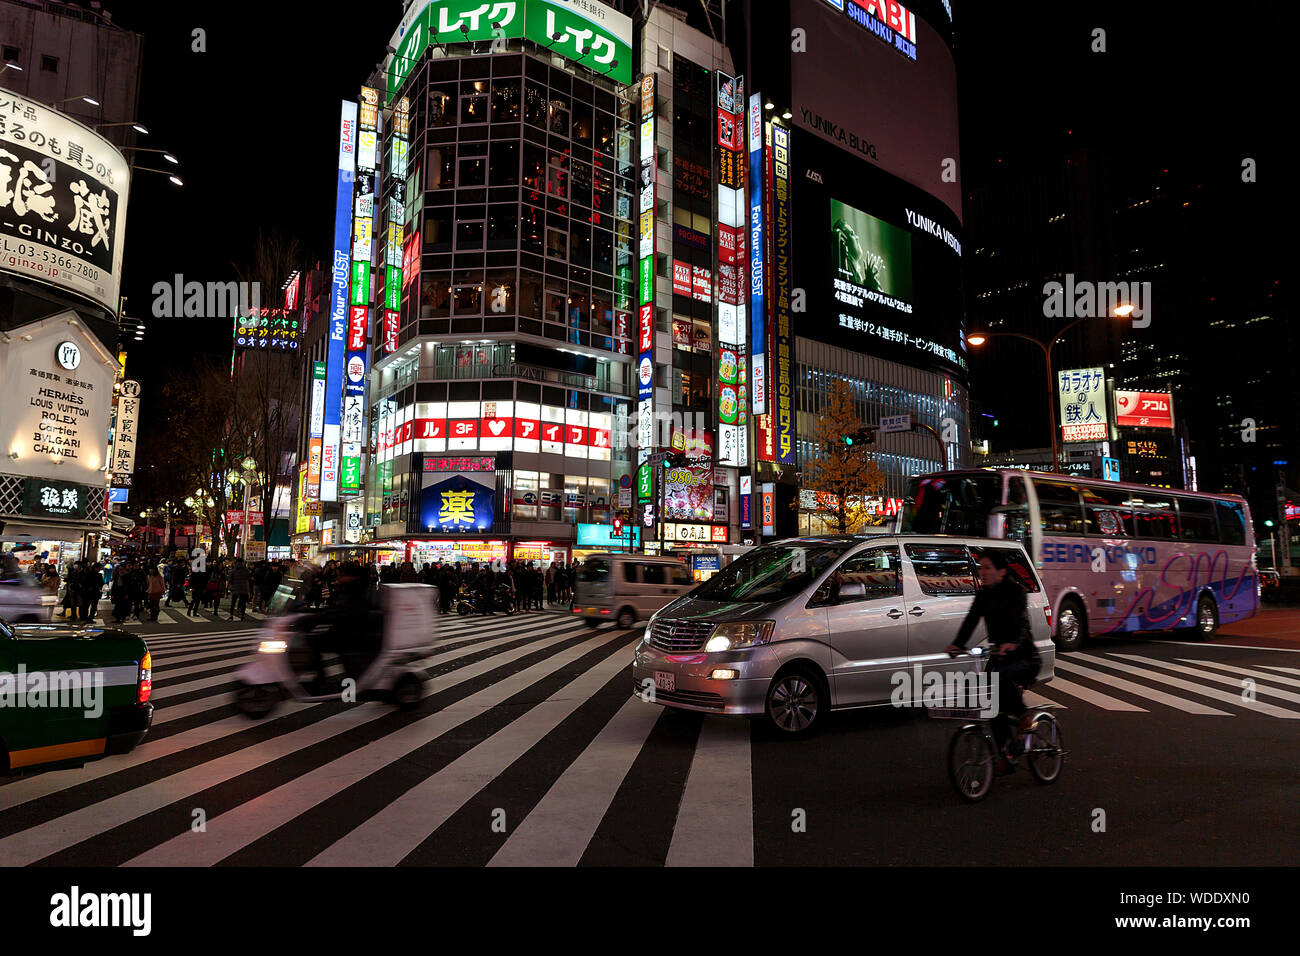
664 680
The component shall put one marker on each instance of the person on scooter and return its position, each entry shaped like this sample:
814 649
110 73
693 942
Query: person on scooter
349 632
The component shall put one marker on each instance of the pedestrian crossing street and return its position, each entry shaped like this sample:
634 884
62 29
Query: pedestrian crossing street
528 749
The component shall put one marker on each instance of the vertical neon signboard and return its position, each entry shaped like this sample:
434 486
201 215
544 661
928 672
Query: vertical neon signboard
783 341
341 269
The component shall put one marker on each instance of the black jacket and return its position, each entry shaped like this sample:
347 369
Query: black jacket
1004 609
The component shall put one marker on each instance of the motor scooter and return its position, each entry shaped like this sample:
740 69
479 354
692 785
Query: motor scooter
383 663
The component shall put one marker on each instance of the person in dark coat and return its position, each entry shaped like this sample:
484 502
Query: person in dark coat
1002 605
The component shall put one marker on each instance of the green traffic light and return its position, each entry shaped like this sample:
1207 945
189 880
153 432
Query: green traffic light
1268 522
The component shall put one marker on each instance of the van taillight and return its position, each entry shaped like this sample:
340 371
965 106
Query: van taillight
1047 613
146 679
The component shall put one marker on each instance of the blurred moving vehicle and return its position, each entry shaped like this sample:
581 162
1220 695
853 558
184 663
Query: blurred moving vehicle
627 587
22 599
309 655
85 694
799 627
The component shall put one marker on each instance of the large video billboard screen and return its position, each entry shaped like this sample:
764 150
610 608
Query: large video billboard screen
878 260
898 108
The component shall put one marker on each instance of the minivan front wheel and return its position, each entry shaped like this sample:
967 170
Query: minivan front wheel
626 617
795 703
1071 626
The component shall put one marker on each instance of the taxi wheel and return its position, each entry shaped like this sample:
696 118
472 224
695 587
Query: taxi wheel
626 617
796 702
257 700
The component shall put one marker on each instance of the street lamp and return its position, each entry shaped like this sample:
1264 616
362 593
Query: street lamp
85 99
980 337
11 66
166 153
176 180
134 124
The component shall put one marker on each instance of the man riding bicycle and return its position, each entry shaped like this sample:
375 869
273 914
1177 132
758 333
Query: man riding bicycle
1002 605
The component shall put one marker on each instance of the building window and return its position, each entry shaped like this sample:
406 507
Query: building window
49 64
11 54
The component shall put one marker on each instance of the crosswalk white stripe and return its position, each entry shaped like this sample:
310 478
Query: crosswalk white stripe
1247 671
715 821
559 828
164 675
250 821
1034 699
388 836
45 784
1095 697
27 846
178 638
1284 670
1216 677
164 617
1139 690
1212 692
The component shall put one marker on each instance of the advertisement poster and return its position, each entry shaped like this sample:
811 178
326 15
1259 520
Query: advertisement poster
688 493
1082 394
873 260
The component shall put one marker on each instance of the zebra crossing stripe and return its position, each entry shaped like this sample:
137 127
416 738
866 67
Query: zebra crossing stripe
1212 692
164 617
65 831
1217 678
254 819
715 822
1138 690
386 838
559 828
1284 670
1034 699
1247 671
1094 697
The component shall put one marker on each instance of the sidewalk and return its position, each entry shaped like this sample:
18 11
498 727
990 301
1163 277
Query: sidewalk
1272 627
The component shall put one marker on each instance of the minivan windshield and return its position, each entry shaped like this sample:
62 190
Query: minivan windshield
594 571
772 572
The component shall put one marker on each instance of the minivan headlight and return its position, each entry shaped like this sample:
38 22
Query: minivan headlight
729 637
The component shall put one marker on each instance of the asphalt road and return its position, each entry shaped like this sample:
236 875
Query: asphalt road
528 749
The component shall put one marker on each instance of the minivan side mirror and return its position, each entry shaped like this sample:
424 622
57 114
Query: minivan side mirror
997 526
851 592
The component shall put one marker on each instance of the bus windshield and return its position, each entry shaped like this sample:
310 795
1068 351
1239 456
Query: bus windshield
951 504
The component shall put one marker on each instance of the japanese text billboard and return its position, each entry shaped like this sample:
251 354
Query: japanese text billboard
341 271
1082 393
1144 409
63 192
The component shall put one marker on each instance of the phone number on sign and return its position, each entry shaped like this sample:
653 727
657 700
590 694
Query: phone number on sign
26 255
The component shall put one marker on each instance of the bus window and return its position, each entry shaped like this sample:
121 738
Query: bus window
1196 520
1058 507
1154 519
1016 509
1106 513
951 504
1232 523
1017 566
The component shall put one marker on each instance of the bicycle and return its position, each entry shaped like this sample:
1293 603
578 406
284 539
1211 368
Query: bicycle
973 751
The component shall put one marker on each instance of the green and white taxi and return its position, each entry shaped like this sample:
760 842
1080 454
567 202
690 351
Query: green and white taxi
69 694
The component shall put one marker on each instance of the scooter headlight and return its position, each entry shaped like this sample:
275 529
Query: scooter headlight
272 647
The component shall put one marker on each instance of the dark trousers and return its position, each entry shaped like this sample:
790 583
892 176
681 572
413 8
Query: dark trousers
1015 671
241 600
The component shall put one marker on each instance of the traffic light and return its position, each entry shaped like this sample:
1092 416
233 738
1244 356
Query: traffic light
1268 522
618 527
862 436
675 459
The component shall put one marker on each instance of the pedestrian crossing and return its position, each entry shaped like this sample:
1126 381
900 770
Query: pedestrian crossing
526 749
176 614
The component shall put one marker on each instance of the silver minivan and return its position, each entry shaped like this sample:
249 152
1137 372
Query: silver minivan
802 626
627 587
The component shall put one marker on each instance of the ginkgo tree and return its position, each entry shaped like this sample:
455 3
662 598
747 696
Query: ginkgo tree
840 478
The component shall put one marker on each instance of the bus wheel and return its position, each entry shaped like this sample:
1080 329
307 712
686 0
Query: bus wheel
1207 618
1071 626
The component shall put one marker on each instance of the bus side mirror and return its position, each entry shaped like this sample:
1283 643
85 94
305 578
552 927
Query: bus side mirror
997 526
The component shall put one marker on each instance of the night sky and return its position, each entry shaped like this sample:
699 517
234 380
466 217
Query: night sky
253 120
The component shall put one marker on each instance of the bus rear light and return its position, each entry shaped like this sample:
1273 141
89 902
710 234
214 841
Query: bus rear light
146 679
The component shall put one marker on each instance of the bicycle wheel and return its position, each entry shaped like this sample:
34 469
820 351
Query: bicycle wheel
970 763
1045 753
